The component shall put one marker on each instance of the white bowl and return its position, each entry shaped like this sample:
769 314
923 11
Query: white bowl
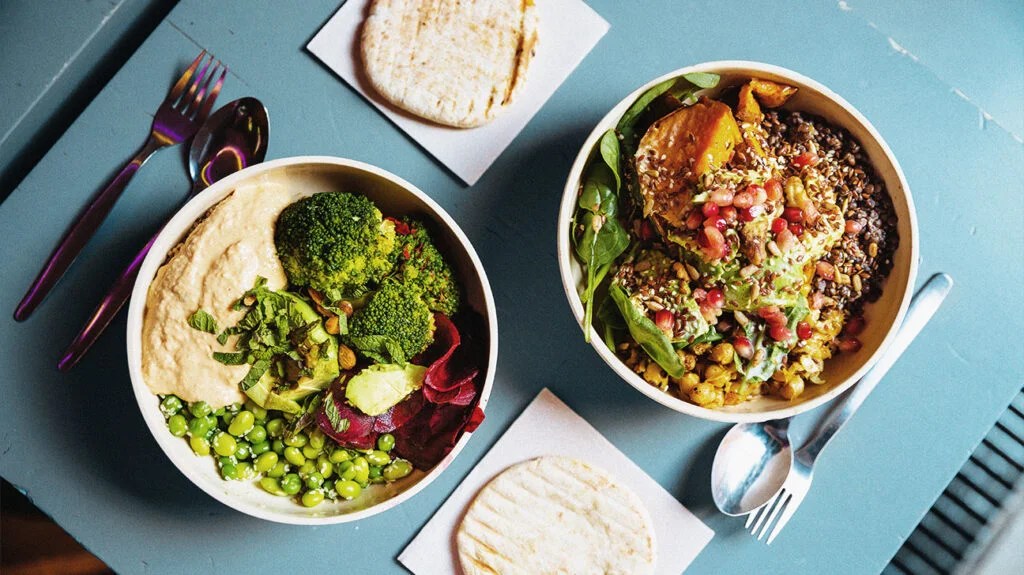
884 316
308 175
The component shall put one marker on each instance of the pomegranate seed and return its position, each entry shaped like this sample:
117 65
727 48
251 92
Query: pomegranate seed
825 270
786 239
817 300
855 326
712 243
719 223
803 330
853 227
743 200
773 188
748 214
743 347
780 333
699 294
722 196
793 214
759 193
709 312
779 224
646 231
773 315
716 297
805 159
693 220
849 344
710 210
797 229
665 320
729 213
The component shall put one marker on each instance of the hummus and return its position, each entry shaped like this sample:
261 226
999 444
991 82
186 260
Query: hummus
218 261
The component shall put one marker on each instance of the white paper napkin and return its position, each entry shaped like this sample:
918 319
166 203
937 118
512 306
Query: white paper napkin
679 534
568 30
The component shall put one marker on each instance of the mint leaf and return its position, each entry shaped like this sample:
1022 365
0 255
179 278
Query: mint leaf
203 321
380 348
236 358
255 373
338 423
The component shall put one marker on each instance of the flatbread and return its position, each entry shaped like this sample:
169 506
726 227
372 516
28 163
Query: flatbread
457 63
553 515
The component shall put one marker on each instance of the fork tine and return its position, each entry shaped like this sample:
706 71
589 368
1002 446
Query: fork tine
764 512
204 101
182 105
784 499
783 520
179 87
751 516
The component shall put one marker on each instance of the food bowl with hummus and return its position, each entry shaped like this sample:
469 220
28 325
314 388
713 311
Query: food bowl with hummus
312 340
737 241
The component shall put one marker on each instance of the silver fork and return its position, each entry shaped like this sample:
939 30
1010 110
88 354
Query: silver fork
176 120
773 516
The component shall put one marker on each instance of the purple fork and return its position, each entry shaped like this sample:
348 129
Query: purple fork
177 119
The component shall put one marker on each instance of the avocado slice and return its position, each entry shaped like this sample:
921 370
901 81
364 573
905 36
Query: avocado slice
380 387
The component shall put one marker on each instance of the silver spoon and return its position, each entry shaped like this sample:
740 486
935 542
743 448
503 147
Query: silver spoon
231 139
754 459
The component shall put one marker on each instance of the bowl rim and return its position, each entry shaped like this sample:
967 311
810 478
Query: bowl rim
565 254
171 235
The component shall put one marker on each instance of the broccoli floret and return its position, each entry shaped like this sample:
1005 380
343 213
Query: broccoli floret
395 315
421 266
335 242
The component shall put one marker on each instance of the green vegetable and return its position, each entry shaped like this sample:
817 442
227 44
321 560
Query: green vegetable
266 461
230 358
347 489
199 445
272 486
335 242
773 352
202 321
224 444
257 434
396 470
646 334
291 484
386 442
312 498
294 455
393 326
170 405
200 409
378 458
379 387
297 440
242 423
178 425
421 266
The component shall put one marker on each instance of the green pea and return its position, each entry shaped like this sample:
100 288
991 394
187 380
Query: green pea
266 461
310 452
272 486
229 472
386 442
294 456
242 451
200 409
362 468
374 472
226 460
220 412
178 425
200 426
278 470
347 489
170 405
396 470
199 445
259 448
328 487
297 440
291 484
242 423
317 439
339 455
312 498
257 434
314 480
378 458
224 444
275 427
308 467
324 466
277 446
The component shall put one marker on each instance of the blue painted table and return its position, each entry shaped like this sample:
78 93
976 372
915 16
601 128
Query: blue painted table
950 110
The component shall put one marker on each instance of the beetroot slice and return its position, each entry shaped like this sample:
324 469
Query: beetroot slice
461 393
400 414
431 435
440 376
360 433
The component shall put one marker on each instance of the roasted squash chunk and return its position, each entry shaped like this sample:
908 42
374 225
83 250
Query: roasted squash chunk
679 148
747 108
770 94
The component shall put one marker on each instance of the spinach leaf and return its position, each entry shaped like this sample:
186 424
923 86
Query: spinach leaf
627 124
702 79
380 348
643 330
610 154
202 321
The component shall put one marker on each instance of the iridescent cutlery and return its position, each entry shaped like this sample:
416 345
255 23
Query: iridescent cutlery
176 120
233 138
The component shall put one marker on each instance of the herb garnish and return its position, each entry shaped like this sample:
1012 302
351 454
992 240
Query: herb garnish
202 321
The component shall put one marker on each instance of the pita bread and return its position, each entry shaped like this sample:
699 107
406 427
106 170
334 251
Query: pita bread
556 515
457 63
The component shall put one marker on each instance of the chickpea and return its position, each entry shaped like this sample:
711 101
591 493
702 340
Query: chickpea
705 395
689 360
688 382
716 374
722 353
792 388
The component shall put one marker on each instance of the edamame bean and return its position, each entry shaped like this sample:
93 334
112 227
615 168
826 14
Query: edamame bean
178 425
275 427
224 444
245 470
314 480
170 405
374 472
242 451
386 442
258 412
324 466
312 498
277 446
200 409
266 461
272 486
317 439
199 445
310 452
200 426
378 458
278 470
294 456
347 489
229 472
339 455
362 468
257 434
306 468
346 470
242 423
291 484
259 448
396 470
297 440
328 487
